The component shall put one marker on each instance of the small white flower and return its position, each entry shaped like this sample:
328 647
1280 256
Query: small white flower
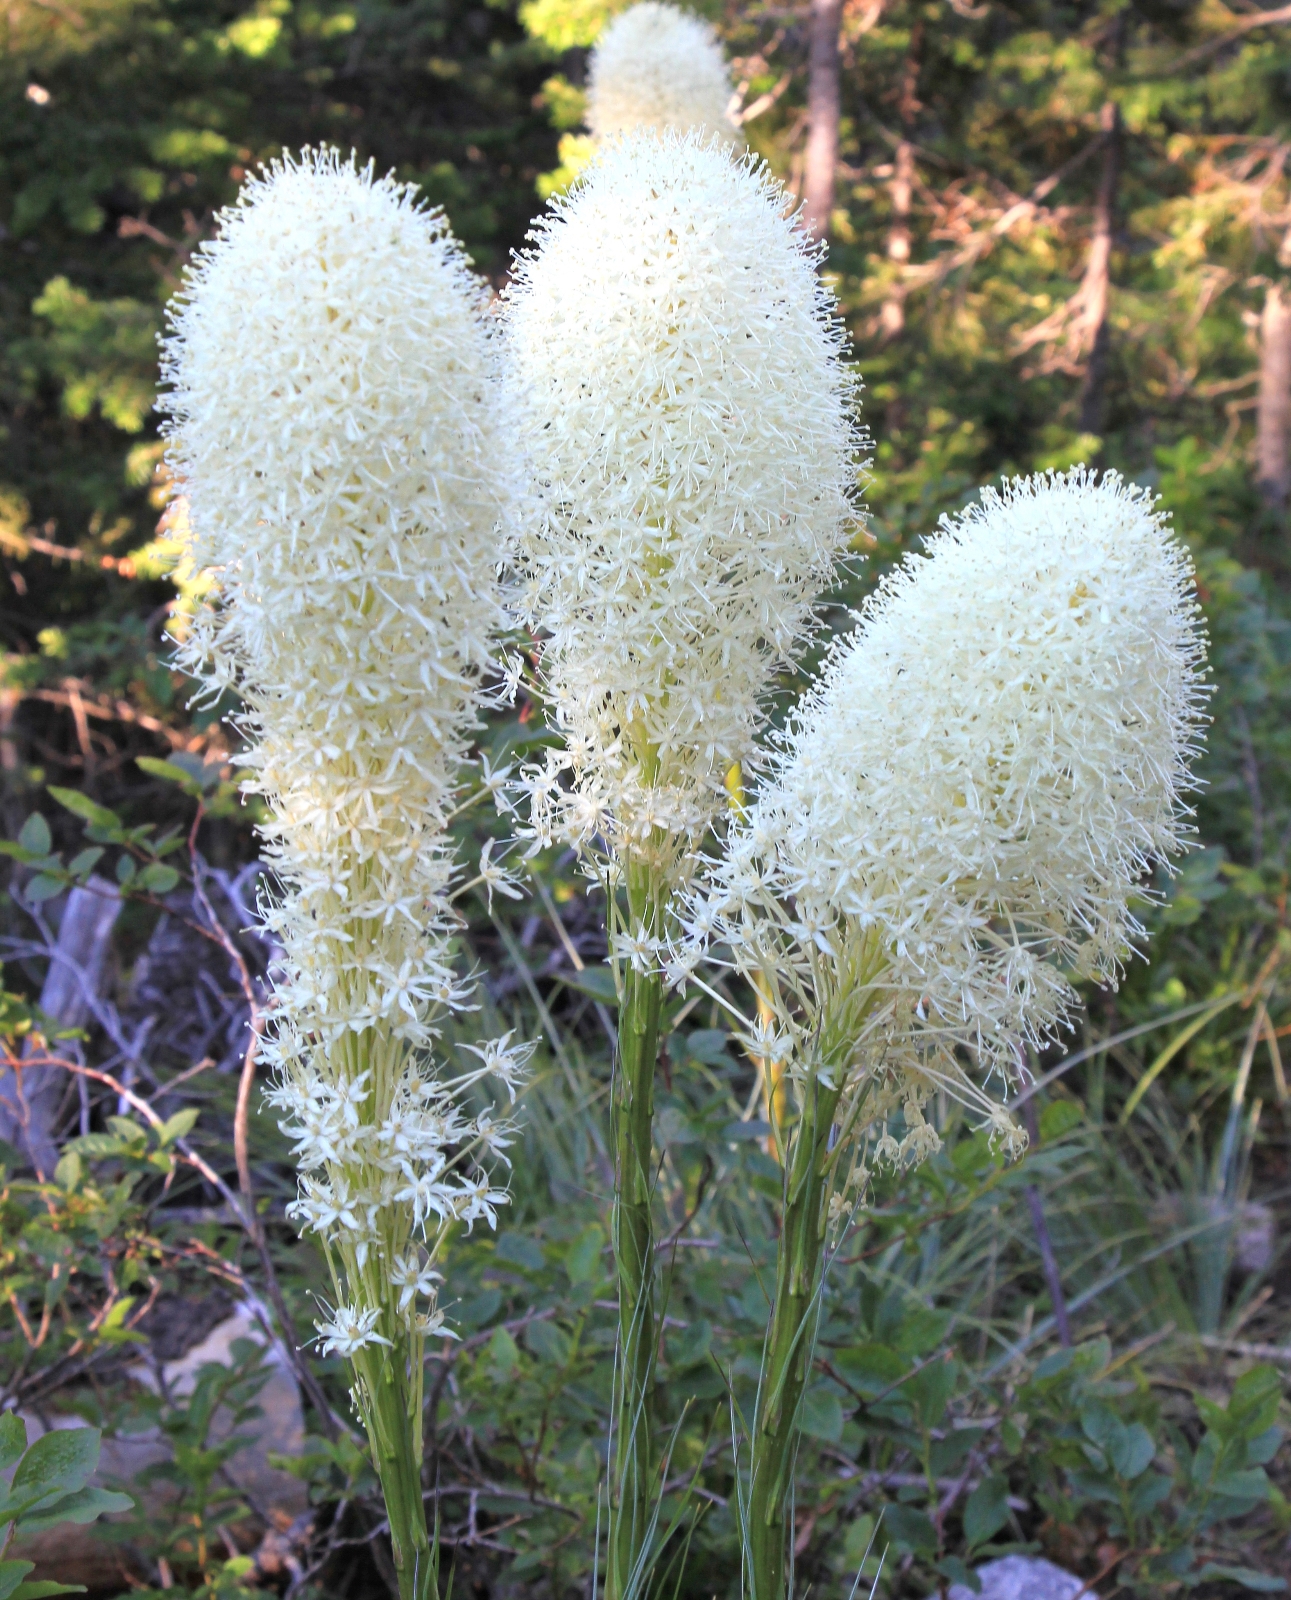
1004 1131
411 1277
640 950
504 1060
680 966
479 1200
497 782
431 1325
767 1042
349 1331
494 1135
427 1197
495 876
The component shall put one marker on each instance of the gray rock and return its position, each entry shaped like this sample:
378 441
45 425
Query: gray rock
1255 1239
1023 1578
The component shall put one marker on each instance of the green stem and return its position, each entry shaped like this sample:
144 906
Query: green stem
393 1416
633 1237
791 1338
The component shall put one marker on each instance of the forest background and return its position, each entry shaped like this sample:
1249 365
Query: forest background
1058 233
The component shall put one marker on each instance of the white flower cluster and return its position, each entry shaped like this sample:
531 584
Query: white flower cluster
656 66
337 429
966 805
687 417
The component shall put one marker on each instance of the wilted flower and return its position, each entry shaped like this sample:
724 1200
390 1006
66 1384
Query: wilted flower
656 66
966 805
688 420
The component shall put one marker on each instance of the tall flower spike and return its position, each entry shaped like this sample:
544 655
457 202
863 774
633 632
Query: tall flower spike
687 415
958 819
337 429
966 805
656 66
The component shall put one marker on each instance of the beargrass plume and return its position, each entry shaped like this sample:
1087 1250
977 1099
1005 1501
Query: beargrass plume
967 805
688 420
337 429
656 66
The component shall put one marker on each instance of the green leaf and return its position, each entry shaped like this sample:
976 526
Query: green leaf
583 1258
910 1529
46 1586
1149 1492
157 878
1253 1403
504 1355
1260 1582
546 1341
930 1389
709 1046
67 1174
117 1315
177 1126
170 772
85 861
63 1458
1053 1364
11 1575
85 1505
125 870
1132 1451
80 805
822 1416
1059 1117
859 1541
598 982
742 1132
95 1144
520 1252
13 1439
43 887
959 1572
987 1509
477 1309
871 1368
1263 1447
1249 1485
35 835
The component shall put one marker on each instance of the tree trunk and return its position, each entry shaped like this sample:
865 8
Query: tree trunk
1274 415
29 1096
892 314
822 117
901 191
1095 291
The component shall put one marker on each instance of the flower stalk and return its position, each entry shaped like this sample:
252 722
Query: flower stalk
336 426
790 1345
958 818
686 417
640 1010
